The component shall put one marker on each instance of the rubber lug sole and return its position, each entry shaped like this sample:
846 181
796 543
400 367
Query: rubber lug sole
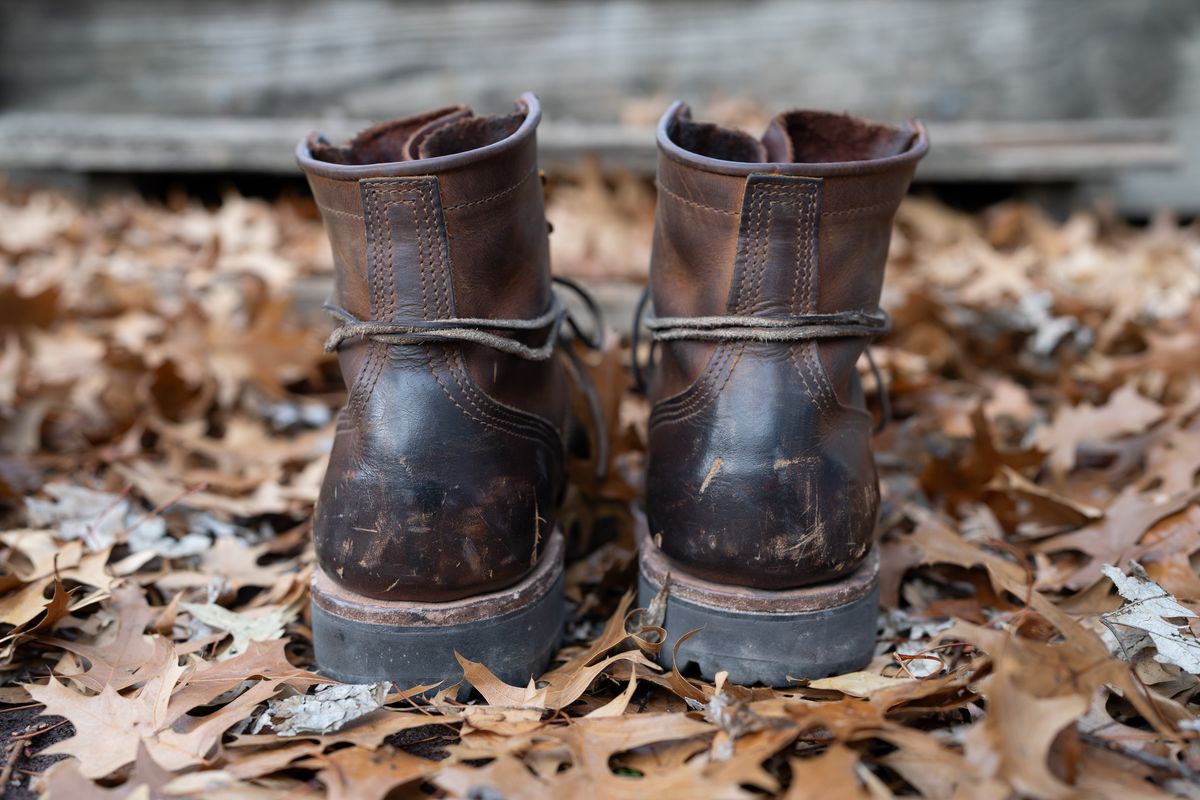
769 638
513 631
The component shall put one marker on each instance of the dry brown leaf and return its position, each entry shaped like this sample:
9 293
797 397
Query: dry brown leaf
1126 412
123 655
1014 740
831 774
356 773
109 727
1113 539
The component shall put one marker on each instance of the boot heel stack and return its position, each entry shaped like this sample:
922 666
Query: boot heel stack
770 638
513 631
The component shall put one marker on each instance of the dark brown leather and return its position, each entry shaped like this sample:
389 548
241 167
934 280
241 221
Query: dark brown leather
448 461
760 470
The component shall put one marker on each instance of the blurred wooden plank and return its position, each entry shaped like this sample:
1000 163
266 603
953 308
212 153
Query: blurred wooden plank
962 151
937 59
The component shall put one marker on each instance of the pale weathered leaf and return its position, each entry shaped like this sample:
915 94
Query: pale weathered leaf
329 708
1149 609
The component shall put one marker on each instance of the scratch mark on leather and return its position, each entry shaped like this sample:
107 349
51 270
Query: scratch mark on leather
712 472
784 463
537 532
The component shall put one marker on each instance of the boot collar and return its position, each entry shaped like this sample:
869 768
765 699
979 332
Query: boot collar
419 136
869 148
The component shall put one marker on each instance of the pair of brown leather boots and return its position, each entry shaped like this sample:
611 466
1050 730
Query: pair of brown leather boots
435 530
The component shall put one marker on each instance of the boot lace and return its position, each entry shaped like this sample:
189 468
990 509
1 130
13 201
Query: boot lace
486 332
790 328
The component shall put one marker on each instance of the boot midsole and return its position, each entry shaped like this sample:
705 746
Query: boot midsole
513 631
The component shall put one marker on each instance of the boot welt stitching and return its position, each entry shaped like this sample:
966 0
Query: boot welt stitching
494 196
489 412
383 281
861 209
708 398
503 416
468 414
663 187
699 394
339 212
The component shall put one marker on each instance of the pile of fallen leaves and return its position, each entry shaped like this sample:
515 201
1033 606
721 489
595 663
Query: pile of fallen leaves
165 410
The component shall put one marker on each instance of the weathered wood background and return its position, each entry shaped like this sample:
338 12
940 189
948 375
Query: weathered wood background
1086 89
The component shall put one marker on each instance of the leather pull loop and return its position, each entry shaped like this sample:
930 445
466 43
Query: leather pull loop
734 328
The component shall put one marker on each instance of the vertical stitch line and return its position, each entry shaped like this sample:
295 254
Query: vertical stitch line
820 379
436 262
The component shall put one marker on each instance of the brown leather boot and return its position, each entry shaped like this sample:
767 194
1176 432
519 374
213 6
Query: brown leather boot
435 528
761 492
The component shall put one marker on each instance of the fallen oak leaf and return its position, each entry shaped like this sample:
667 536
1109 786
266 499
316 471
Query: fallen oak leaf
261 759
506 722
936 771
1126 412
593 743
368 731
616 707
496 691
1112 540
1013 742
261 660
109 727
1081 660
734 718
693 695
30 611
831 774
36 553
234 562
146 780
564 684
859 684
98 519
244 628
1172 463
505 776
119 657
356 773
613 635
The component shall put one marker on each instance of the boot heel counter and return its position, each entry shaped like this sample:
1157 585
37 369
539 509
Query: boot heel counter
782 493
425 498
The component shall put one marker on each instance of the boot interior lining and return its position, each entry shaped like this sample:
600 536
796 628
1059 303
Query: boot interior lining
800 137
715 141
442 132
818 137
382 143
469 133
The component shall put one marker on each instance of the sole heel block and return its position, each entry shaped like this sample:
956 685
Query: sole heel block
514 631
764 637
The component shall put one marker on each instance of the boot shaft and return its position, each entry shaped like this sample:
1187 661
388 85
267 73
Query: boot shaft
388 195
743 228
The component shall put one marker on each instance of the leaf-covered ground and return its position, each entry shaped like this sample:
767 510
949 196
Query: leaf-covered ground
165 410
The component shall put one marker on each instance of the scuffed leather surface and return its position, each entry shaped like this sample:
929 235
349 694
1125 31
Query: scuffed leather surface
448 462
760 470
